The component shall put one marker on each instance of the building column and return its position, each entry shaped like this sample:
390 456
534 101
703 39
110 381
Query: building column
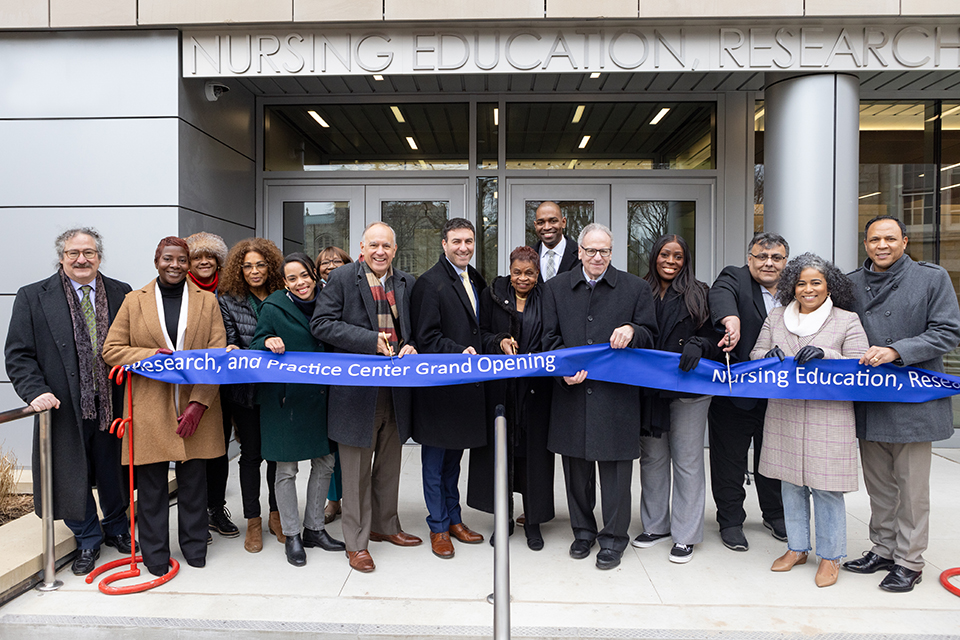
811 163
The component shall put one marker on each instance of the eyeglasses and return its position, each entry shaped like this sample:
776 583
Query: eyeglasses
605 253
261 266
763 257
89 254
330 263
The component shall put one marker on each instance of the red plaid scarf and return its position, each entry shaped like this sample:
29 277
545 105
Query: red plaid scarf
386 302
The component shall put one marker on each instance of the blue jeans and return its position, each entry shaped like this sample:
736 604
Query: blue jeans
831 520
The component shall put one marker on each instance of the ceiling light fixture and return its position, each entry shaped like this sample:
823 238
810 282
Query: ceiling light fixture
496 116
953 166
572 164
584 141
320 121
412 142
759 114
397 114
657 118
869 195
579 113
952 186
378 77
595 75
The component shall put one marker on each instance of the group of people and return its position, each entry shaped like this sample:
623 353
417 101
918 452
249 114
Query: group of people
68 330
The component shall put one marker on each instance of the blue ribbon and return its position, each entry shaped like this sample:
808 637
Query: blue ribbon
769 378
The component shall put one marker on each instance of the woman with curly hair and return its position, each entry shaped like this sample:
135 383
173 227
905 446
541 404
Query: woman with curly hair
252 271
810 445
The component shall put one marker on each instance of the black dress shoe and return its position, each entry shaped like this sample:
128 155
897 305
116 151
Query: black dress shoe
158 570
510 528
197 563
219 520
85 562
534 538
608 559
322 539
580 549
900 579
119 542
777 527
296 554
869 563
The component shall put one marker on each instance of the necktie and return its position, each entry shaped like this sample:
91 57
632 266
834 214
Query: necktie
90 318
469 288
592 283
551 269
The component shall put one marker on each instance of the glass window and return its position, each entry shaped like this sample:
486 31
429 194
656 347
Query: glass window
418 225
487 241
359 137
758 122
647 220
488 135
579 213
312 226
611 135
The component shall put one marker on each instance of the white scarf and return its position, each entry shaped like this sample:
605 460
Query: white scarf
806 324
181 331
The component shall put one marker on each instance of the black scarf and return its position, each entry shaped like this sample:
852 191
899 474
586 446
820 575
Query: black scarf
91 362
305 306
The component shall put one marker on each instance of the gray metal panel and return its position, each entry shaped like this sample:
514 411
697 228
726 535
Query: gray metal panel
89 162
17 436
89 74
191 222
6 307
215 179
230 119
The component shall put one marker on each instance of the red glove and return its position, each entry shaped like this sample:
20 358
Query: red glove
188 422
165 352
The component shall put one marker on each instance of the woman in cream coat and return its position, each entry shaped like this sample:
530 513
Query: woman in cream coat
172 423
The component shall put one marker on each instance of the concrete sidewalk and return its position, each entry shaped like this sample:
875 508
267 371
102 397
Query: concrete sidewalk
413 594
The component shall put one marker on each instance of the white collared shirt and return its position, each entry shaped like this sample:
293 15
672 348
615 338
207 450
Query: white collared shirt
559 249
76 287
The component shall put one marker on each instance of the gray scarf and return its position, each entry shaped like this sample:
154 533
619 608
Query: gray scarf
86 356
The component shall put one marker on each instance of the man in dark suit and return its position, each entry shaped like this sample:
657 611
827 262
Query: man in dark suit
596 425
558 253
447 420
365 308
53 359
740 299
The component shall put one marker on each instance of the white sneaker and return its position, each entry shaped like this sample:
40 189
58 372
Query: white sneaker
681 553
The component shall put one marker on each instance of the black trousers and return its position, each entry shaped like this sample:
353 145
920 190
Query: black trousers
730 433
219 468
615 503
248 432
153 511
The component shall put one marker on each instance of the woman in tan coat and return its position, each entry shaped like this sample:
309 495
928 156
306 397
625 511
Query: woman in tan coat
172 423
811 445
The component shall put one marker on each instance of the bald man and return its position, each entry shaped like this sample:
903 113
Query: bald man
558 253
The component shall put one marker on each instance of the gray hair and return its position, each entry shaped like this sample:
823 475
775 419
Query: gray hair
839 286
767 239
590 228
69 234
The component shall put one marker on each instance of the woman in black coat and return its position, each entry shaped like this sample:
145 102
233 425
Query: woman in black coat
671 442
510 323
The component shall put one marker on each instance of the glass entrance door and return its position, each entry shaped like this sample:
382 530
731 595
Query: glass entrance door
309 218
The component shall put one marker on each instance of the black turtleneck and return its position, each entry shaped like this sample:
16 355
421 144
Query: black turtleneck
306 306
172 296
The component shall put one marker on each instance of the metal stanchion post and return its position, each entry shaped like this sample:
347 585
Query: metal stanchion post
50 582
501 542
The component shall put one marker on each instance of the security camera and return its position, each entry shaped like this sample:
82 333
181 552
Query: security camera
213 90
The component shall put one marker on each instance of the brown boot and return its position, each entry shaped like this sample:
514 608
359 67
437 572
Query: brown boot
273 524
788 560
827 572
254 540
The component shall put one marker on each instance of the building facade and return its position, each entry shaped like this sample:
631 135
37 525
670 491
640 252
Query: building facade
304 120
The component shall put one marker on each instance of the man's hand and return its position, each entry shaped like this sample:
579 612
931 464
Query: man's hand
275 344
621 337
407 349
470 351
577 379
876 356
45 401
188 422
508 346
383 344
732 336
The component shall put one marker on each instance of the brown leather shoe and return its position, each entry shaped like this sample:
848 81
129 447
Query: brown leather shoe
788 560
331 511
254 540
401 538
827 572
442 547
361 561
463 534
273 524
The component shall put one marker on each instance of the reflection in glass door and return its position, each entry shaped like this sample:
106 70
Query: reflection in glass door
647 220
320 225
418 225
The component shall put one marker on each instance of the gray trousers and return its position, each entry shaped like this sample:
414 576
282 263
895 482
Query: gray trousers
682 449
615 504
897 477
317 485
371 480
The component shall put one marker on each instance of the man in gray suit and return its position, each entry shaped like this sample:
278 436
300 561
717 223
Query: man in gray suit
365 308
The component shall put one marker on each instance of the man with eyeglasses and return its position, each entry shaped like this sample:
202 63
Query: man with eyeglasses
740 300
558 253
53 358
596 425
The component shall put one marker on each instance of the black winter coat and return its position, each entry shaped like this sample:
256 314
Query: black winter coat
596 420
527 403
240 321
451 417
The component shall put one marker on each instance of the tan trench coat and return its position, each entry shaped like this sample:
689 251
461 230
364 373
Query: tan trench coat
812 443
136 334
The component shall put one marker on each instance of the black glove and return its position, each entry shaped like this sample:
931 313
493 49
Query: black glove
692 352
776 352
807 354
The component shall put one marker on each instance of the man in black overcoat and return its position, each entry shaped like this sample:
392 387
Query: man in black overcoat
558 253
365 308
740 299
596 425
53 360
447 420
